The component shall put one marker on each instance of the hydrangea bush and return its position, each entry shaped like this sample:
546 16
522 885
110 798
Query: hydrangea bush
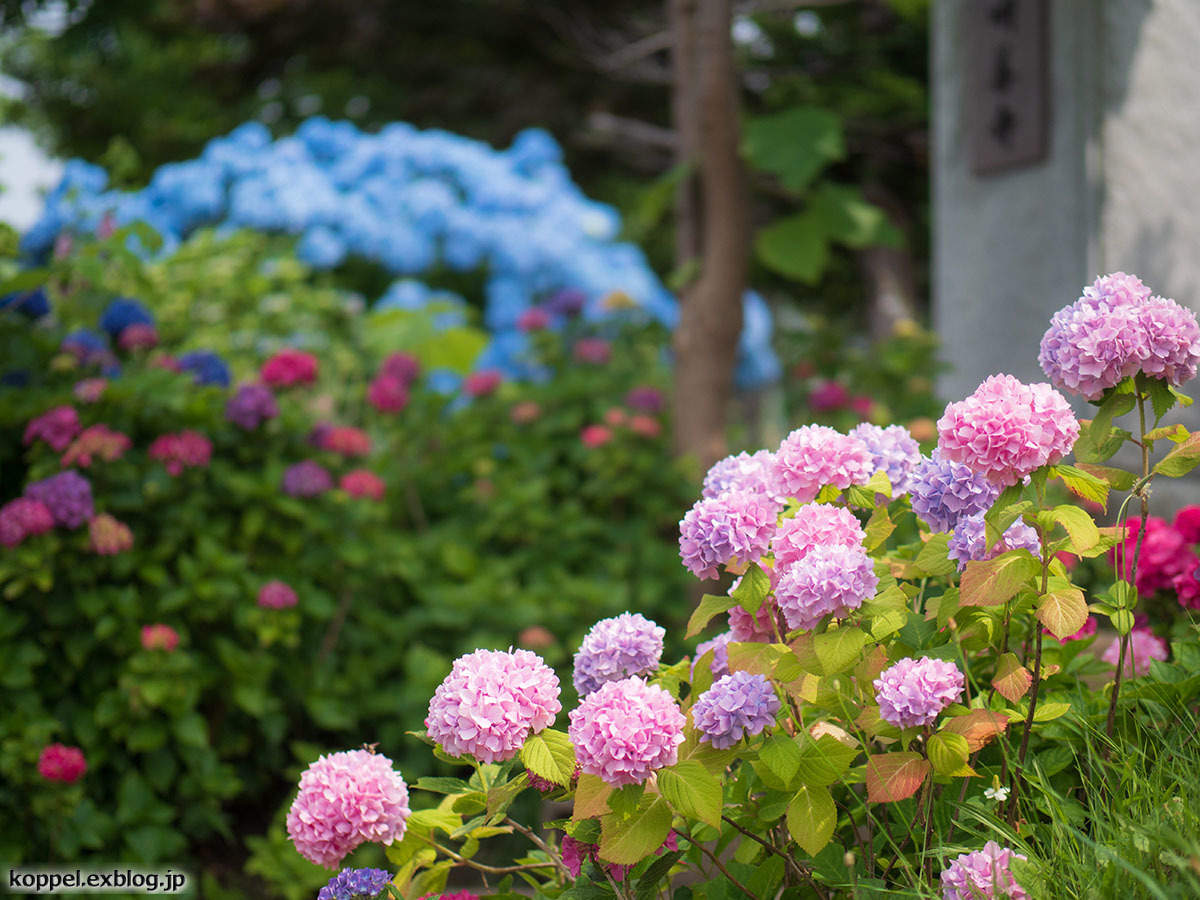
882 714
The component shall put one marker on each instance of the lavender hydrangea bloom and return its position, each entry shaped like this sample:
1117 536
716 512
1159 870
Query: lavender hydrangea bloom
68 496
969 540
491 701
720 648
732 528
306 479
743 473
628 644
912 692
626 731
737 705
943 491
252 405
893 450
1173 340
830 580
356 884
983 875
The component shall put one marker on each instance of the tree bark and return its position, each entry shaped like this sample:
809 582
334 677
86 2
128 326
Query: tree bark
713 219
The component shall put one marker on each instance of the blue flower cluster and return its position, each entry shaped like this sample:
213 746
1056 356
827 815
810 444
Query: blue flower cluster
414 202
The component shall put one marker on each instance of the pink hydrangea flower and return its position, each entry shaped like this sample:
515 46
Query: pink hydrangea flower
829 580
733 529
646 426
289 367
828 396
347 799
626 731
744 473
276 595
388 394
893 450
482 383
595 351
363 483
594 436
58 762
96 442
138 336
185 450
814 525
23 517
756 627
912 692
90 390
346 441
1006 429
983 875
403 366
1144 646
815 455
533 319
159 637
108 537
525 412
56 427
491 701
616 417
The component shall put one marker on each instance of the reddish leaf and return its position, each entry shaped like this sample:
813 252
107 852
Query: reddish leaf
978 726
1064 612
894 776
991 582
1012 679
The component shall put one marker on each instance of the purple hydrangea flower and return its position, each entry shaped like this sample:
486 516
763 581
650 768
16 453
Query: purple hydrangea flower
733 529
250 406
815 455
626 731
356 884
491 701
738 704
628 644
983 875
814 525
68 496
830 580
1173 340
743 473
893 450
943 491
720 648
306 479
912 692
969 540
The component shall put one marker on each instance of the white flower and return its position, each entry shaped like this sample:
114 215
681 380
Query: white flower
999 794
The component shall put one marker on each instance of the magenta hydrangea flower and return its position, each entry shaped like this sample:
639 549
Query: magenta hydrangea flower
912 692
186 450
720 648
403 366
943 491
743 473
983 875
289 367
968 541
738 704
58 762
160 637
595 351
363 483
829 580
646 398
1006 429
626 731
733 529
491 701
388 394
1187 523
347 799
893 450
815 525
306 479
1144 646
616 648
68 496
815 455
482 382
250 406
56 427
22 518
276 595
1166 556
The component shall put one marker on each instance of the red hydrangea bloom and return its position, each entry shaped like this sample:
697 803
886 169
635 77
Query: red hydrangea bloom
57 427
108 537
159 636
388 393
1187 523
276 595
1165 555
289 367
58 762
595 435
22 518
481 383
363 483
187 449
404 366
96 442
346 441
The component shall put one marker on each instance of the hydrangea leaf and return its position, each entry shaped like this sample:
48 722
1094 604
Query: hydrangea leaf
824 760
811 817
978 727
591 797
709 606
1182 459
550 755
933 559
692 791
795 144
892 777
795 247
501 797
1082 484
752 590
1079 525
1064 611
839 649
879 528
991 582
1012 679
781 755
626 841
948 753
1115 478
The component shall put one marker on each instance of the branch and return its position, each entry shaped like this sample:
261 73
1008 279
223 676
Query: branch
716 862
795 866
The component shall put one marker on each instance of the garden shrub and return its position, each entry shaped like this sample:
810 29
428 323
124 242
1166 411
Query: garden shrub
255 554
909 698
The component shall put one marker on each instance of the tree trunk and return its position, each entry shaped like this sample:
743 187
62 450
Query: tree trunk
713 211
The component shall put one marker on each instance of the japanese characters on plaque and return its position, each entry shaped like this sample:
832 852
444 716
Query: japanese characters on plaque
1007 73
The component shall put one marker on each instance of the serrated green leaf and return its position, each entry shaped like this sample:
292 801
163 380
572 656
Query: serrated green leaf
626 841
839 649
1117 403
811 818
709 606
550 755
692 791
824 760
753 588
1079 525
1063 611
948 753
1082 483
933 559
1182 459
991 582
878 529
781 755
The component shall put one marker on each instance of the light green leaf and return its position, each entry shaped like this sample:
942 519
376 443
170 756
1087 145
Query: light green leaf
795 144
627 841
794 247
692 791
753 588
811 817
709 606
550 755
